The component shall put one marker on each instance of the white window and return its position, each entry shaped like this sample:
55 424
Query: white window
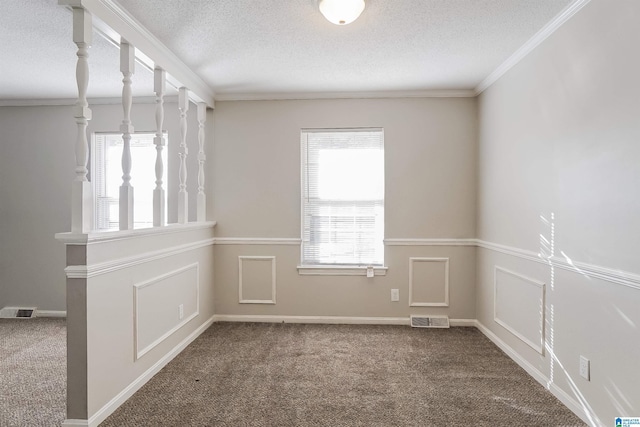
106 174
342 197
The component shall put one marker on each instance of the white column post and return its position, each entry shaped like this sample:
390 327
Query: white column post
202 198
183 197
81 191
127 64
159 85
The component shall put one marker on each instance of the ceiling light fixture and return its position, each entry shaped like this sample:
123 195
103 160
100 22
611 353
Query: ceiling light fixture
341 12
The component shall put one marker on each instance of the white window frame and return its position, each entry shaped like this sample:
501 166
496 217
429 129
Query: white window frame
331 269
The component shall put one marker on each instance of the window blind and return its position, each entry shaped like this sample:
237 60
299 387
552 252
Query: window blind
343 197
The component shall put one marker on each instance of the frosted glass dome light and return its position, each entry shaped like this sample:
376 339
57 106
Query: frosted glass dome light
341 12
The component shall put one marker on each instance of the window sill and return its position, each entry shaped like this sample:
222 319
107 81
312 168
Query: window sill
336 270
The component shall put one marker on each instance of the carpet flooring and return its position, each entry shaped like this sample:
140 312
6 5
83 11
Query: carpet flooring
285 375
33 369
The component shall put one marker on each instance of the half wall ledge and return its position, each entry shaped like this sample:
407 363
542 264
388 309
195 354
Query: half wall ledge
70 238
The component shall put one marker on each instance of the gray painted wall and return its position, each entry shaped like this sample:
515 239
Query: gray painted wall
430 192
559 144
36 169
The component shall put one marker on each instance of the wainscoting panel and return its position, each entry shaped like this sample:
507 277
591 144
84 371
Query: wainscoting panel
428 282
257 279
164 304
519 306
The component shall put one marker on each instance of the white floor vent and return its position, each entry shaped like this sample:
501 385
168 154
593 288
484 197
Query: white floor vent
429 321
17 313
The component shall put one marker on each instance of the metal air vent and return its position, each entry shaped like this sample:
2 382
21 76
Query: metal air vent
429 321
17 312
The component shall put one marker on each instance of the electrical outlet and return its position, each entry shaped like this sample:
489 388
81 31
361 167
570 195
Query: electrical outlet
585 366
395 294
180 311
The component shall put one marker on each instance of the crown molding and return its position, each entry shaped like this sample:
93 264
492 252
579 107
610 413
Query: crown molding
531 44
114 22
48 102
287 96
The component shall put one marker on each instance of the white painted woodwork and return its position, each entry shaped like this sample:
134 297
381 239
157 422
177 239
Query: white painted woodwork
155 303
202 198
519 306
81 191
183 197
159 86
429 282
256 279
116 22
127 67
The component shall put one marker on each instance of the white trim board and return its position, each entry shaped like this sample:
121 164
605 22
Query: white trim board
85 272
339 270
110 236
115 23
51 313
330 320
125 394
430 242
284 96
444 303
75 423
241 260
537 346
619 277
138 352
531 44
48 102
567 400
256 241
387 242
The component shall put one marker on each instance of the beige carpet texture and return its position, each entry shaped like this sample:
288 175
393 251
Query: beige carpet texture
249 374
33 372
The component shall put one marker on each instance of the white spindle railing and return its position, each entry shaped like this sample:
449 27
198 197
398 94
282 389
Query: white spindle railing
127 64
82 210
183 197
202 198
81 191
159 85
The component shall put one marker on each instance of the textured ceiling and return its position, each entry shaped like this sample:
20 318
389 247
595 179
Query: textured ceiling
39 56
287 46
279 46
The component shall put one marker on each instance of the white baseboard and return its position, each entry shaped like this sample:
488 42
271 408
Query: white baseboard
344 320
462 322
50 313
125 394
75 423
560 394
333 320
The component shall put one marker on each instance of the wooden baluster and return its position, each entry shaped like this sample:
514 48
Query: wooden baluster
183 197
159 219
202 198
81 191
127 64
